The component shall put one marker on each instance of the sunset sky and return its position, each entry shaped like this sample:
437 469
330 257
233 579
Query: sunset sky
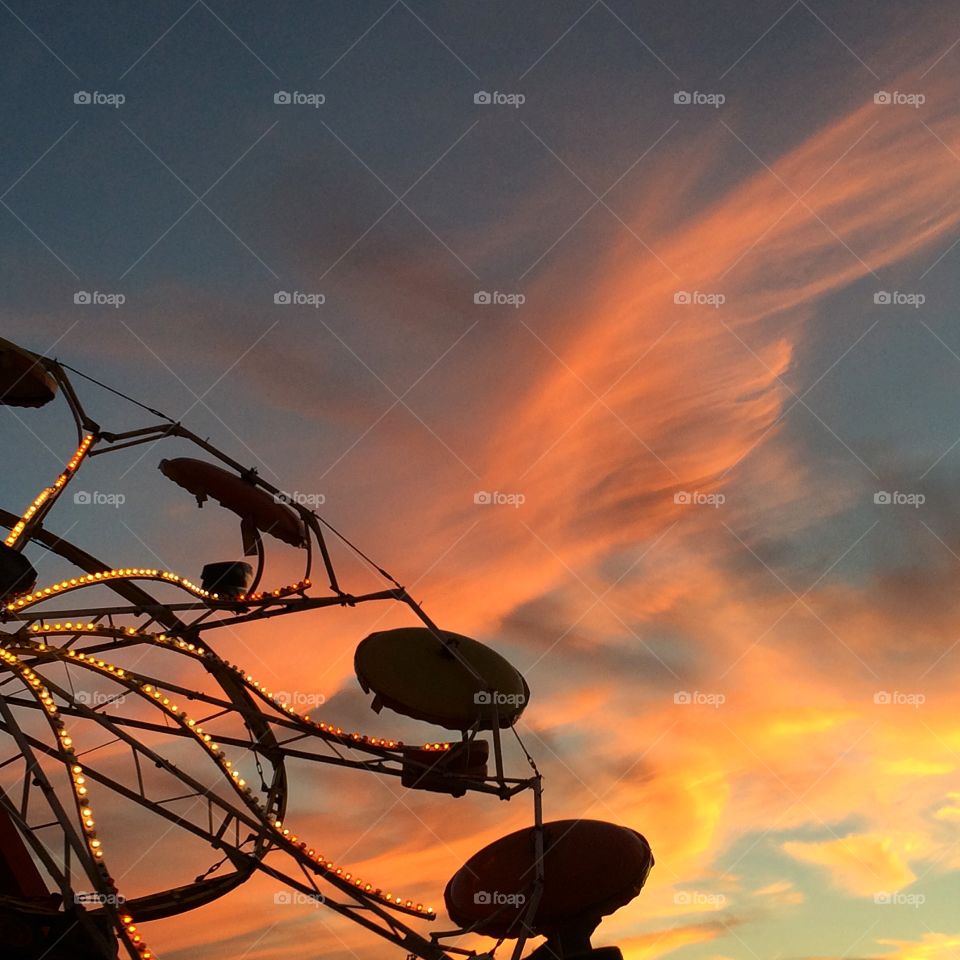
720 374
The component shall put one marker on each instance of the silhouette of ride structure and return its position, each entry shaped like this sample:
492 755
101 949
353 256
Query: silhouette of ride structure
115 693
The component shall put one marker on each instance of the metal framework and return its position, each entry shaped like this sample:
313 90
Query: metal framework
227 721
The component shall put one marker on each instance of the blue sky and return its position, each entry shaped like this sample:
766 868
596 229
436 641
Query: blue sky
598 199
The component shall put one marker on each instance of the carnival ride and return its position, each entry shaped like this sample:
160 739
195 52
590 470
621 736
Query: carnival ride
552 879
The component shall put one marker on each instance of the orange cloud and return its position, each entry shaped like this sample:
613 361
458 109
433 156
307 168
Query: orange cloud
659 944
931 946
627 401
861 864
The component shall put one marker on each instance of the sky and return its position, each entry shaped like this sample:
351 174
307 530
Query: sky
681 294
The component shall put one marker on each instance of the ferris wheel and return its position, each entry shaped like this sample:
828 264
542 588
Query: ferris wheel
113 691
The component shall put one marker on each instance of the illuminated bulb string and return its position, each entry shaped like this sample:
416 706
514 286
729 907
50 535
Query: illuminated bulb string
325 730
48 492
80 792
145 573
205 740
